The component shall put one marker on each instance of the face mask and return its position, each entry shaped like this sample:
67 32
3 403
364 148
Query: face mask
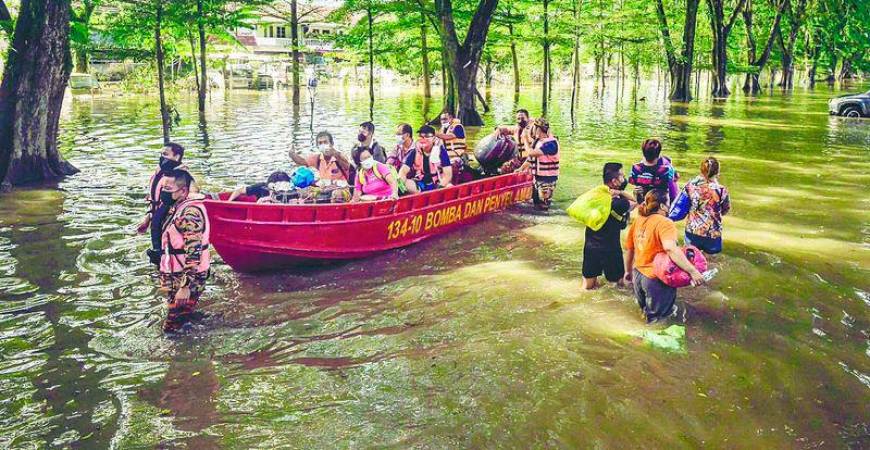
523 123
167 164
323 147
400 139
445 124
166 198
368 164
623 185
361 137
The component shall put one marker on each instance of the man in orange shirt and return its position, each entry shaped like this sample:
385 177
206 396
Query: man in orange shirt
653 233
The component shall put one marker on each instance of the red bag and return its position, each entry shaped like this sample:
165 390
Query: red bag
671 274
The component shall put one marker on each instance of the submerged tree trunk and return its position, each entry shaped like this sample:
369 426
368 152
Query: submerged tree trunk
721 29
546 74
680 69
371 60
203 83
427 80
31 94
464 59
158 51
796 20
294 42
193 62
514 59
751 85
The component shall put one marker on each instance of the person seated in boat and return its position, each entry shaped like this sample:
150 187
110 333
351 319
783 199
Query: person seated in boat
332 167
159 200
404 145
452 134
366 138
260 190
543 160
427 167
375 180
520 134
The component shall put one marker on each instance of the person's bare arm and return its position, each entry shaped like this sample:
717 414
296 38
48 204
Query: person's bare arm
628 260
404 171
446 176
680 260
294 156
394 185
237 193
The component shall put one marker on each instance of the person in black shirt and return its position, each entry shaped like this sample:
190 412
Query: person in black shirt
602 251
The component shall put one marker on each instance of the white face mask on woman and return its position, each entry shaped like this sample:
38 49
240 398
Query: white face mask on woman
323 147
368 164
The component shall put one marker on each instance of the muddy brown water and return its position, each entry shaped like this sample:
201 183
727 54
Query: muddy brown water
480 338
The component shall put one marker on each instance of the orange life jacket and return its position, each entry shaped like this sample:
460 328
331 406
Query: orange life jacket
456 147
433 166
174 258
330 170
546 165
519 136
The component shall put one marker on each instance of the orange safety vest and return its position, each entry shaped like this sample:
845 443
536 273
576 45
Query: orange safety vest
418 165
521 143
330 170
174 258
546 165
456 147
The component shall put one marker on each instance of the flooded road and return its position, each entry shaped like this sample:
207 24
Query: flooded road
480 338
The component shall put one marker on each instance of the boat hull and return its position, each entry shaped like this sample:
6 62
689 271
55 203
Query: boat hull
257 237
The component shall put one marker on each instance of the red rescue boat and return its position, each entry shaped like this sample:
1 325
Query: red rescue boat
253 237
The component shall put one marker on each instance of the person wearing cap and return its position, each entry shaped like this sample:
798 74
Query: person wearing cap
427 166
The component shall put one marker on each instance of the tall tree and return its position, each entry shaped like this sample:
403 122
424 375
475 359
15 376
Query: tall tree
721 29
296 15
31 93
203 74
424 51
463 59
787 44
81 33
158 53
757 62
680 67
546 49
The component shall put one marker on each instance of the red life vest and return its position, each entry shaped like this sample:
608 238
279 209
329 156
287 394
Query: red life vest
546 165
456 147
330 170
433 166
174 258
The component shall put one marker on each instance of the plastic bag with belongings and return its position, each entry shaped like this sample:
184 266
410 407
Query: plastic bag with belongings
671 274
592 208
493 151
303 177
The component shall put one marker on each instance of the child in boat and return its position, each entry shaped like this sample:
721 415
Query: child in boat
261 190
375 180
703 201
653 172
543 160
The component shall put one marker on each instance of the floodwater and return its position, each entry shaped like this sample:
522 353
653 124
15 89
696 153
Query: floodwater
481 338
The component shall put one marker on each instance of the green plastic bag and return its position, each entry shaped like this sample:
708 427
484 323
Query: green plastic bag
671 339
592 208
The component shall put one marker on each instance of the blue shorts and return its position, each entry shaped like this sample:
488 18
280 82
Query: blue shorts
707 245
423 187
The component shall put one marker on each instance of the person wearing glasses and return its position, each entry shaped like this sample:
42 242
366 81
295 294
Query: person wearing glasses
427 167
